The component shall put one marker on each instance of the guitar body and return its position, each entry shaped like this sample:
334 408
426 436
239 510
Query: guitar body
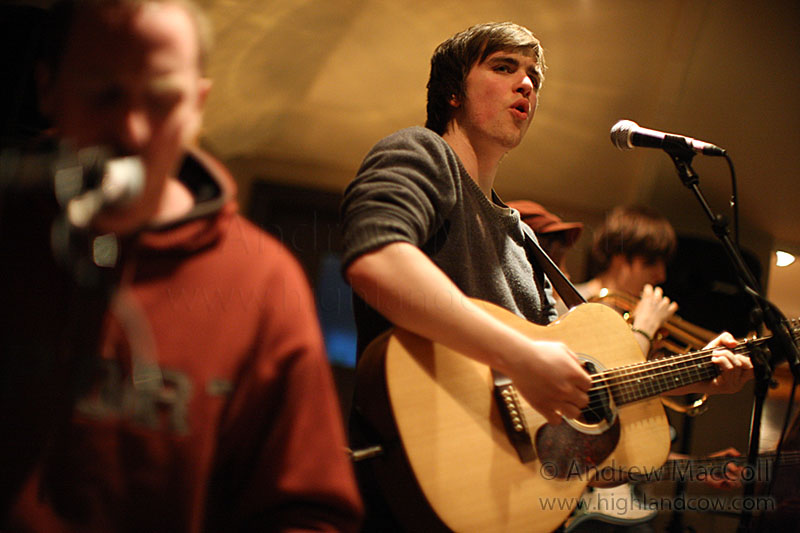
440 406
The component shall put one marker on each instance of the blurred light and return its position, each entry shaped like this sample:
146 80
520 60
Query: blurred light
783 259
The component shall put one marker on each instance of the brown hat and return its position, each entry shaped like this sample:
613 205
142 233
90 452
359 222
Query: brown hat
543 221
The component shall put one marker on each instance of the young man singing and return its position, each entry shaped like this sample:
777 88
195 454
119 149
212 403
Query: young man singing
423 228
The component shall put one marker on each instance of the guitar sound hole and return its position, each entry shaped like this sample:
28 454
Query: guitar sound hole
599 408
574 448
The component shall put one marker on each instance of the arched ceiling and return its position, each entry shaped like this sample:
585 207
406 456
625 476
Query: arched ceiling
306 88
303 89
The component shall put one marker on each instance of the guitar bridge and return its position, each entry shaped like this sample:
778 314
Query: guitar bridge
513 419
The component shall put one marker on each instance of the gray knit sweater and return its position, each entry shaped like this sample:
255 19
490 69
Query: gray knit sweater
412 188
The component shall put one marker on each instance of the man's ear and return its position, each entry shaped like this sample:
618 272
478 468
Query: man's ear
204 87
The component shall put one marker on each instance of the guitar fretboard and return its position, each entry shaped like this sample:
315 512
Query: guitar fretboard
633 384
644 380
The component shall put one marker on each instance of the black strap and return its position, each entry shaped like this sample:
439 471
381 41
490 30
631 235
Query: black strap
505 394
536 256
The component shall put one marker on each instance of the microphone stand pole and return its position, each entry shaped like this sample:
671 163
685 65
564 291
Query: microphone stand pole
781 342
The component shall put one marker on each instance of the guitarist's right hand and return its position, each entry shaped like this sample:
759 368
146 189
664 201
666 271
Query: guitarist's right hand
552 380
404 285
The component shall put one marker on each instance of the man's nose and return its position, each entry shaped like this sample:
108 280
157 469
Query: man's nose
134 130
525 86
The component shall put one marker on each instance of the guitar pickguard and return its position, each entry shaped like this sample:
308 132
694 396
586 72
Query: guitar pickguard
575 447
566 453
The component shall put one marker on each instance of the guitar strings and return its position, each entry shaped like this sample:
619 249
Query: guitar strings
624 378
637 370
634 373
629 384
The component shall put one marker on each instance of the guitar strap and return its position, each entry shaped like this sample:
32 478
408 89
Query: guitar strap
561 284
504 391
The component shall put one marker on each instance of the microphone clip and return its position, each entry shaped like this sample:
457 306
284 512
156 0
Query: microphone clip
679 149
682 158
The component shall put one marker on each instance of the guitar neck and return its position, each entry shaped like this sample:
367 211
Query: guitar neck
695 469
644 380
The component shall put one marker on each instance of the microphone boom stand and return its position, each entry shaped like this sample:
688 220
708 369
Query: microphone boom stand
781 342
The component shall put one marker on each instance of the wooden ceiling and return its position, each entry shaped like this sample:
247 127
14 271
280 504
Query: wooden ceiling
304 88
315 83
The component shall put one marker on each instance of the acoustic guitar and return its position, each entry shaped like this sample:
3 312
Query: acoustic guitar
463 451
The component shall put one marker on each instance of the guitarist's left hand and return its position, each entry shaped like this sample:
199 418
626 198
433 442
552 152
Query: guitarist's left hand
735 370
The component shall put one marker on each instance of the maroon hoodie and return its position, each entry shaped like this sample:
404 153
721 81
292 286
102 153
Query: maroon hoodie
214 407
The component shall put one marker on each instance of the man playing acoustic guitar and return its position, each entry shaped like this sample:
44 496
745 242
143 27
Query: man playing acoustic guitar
424 231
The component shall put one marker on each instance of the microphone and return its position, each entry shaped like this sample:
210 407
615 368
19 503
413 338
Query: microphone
84 182
121 181
626 134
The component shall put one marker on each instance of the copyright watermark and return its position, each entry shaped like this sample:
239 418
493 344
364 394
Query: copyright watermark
685 471
623 504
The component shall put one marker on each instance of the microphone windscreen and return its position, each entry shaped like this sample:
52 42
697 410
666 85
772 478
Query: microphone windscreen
621 134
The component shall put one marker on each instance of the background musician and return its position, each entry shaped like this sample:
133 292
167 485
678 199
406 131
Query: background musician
629 254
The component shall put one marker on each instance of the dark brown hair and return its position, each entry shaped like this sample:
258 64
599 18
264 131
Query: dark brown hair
632 231
453 59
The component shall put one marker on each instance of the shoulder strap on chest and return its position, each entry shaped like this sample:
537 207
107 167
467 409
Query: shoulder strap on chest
536 256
